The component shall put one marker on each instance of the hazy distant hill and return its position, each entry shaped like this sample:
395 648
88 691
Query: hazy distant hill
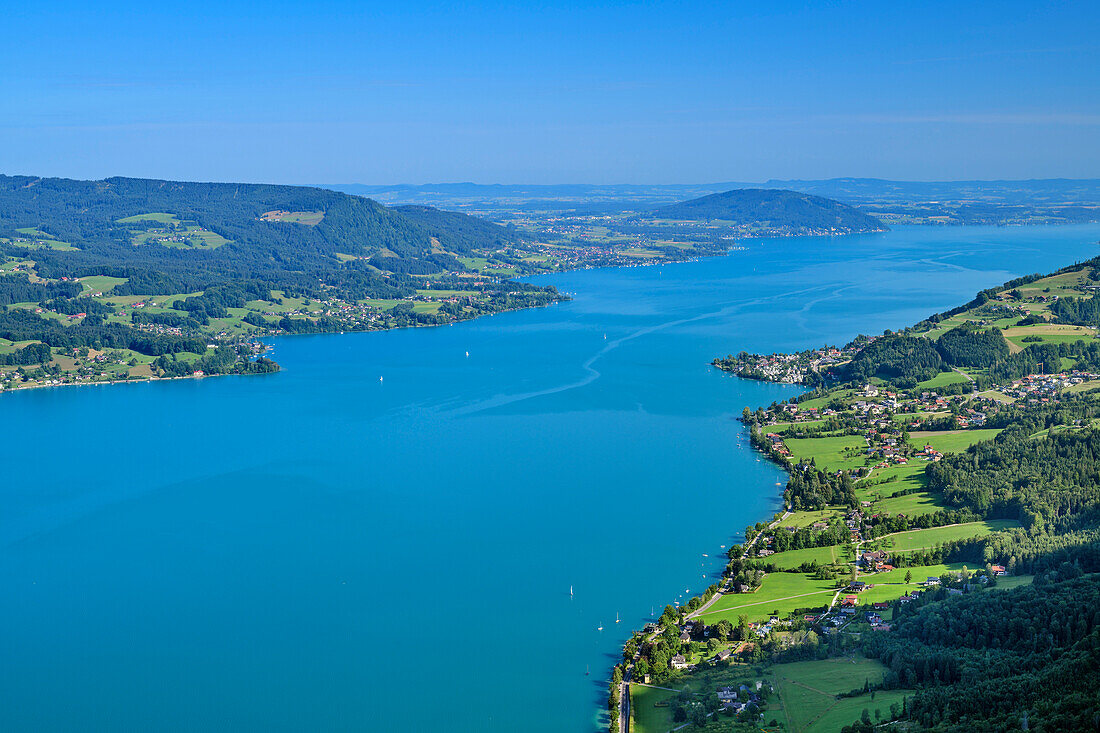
773 209
1034 191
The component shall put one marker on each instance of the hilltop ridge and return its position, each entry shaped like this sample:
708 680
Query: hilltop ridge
774 209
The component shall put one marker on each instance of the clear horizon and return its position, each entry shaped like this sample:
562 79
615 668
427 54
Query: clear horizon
611 93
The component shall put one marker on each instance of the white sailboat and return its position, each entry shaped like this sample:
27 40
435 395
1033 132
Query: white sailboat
570 591
616 617
599 628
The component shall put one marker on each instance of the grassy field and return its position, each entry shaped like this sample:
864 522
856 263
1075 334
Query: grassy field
807 693
1050 338
647 717
805 519
446 293
919 539
950 441
820 402
159 216
911 505
1014 581
779 427
847 711
481 264
892 479
309 218
100 283
996 395
1064 284
7 347
795 558
942 380
780 593
830 454
1083 386
920 573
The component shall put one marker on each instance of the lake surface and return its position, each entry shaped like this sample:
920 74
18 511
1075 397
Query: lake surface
322 550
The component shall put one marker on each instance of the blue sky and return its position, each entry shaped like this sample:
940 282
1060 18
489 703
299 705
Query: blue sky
551 92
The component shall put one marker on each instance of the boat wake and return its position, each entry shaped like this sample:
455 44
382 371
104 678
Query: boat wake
592 374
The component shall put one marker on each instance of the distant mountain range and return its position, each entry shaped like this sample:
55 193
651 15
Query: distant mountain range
862 190
1057 191
773 209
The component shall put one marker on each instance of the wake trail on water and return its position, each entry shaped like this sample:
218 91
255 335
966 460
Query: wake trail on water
592 374
800 315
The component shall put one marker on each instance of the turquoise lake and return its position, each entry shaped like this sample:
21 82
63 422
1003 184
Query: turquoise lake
321 550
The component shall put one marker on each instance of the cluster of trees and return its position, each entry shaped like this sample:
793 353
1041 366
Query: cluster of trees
1039 482
29 354
93 332
971 346
901 359
1077 311
906 360
16 287
223 360
192 319
985 661
217 299
809 489
836 533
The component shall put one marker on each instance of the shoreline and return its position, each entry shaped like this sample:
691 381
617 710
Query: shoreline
148 380
627 668
110 382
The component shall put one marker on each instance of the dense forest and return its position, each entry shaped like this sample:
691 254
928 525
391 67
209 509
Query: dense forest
1021 659
774 208
905 360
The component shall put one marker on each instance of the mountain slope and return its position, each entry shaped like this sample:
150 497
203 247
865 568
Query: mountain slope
265 228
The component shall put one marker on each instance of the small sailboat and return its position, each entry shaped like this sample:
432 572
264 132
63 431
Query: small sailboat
599 628
586 670
467 354
616 617
380 379
570 591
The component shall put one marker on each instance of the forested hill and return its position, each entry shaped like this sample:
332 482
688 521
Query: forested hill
775 210
255 230
129 278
